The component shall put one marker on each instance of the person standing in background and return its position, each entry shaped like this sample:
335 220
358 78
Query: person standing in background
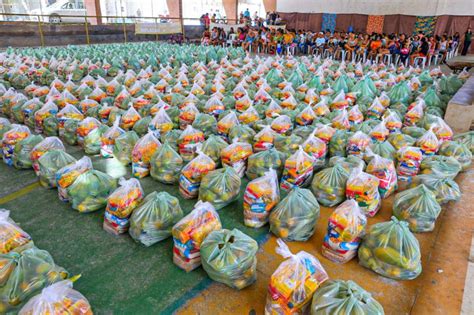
467 41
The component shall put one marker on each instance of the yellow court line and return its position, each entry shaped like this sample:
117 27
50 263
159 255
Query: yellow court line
19 193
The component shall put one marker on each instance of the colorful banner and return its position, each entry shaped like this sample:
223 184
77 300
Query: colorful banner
375 24
425 25
329 22
158 28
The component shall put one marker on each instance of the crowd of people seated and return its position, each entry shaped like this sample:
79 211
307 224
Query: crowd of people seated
340 45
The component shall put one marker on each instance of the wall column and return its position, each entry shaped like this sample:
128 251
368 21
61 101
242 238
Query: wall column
230 7
173 8
93 8
270 5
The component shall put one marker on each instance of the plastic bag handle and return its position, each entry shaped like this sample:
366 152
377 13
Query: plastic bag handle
283 249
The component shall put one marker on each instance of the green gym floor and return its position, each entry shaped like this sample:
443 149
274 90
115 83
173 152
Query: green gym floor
120 276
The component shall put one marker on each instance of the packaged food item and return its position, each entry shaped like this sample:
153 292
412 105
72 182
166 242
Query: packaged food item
58 298
264 139
49 164
358 143
408 165
392 121
12 237
120 205
458 151
230 257
142 154
444 188
339 102
445 166
375 110
355 115
10 139
190 232
329 185
129 118
364 188
391 250
107 140
90 191
24 274
161 123
341 121
124 145
294 282
166 164
380 132
192 174
414 115
21 154
69 112
344 297
417 206
346 228
188 141
66 175
235 155
384 170
297 171
47 144
324 132
85 127
261 195
428 143
317 149
226 123
306 116
295 217
152 220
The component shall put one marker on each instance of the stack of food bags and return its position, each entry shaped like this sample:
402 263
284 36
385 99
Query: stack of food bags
190 232
230 257
120 205
66 175
294 282
153 219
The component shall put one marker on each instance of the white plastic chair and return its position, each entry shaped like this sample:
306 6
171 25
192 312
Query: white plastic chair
422 59
230 41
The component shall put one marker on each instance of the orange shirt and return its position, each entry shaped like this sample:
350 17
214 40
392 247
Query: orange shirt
375 45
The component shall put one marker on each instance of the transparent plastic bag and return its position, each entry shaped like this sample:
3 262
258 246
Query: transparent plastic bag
329 185
166 165
70 128
92 142
358 143
391 250
49 164
206 123
339 297
66 175
445 166
152 220
259 163
10 139
466 138
298 170
384 170
346 227
428 143
294 282
444 188
188 142
226 123
341 121
124 145
192 174
220 187
58 298
364 188
229 257
107 140
46 145
295 216
129 118
90 191
190 232
25 273
21 154
5 125
161 123
235 155
264 139
261 195
12 237
142 154
282 124
400 140
338 143
380 132
69 112
458 151
85 127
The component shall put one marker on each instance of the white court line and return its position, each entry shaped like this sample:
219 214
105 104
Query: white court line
468 297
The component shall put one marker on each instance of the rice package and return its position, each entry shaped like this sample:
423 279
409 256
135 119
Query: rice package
346 227
391 250
50 163
417 206
120 205
188 142
192 174
293 284
298 170
107 140
259 163
190 232
12 237
66 175
21 154
10 139
58 298
124 145
230 257
261 195
90 191
235 155
329 185
142 154
295 217
220 187
152 221
166 165
24 274
344 297
364 188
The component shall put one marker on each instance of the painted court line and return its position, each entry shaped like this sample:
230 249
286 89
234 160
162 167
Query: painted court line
19 193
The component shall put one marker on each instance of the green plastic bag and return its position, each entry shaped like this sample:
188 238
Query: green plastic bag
70 135
213 146
243 132
458 151
466 138
124 145
259 163
50 126
417 206
50 163
151 222
230 257
444 188
385 149
21 153
172 138
329 185
287 145
445 166
340 297
90 191
141 126
24 274
391 250
206 123
348 163
166 164
295 217
92 141
338 143
220 187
